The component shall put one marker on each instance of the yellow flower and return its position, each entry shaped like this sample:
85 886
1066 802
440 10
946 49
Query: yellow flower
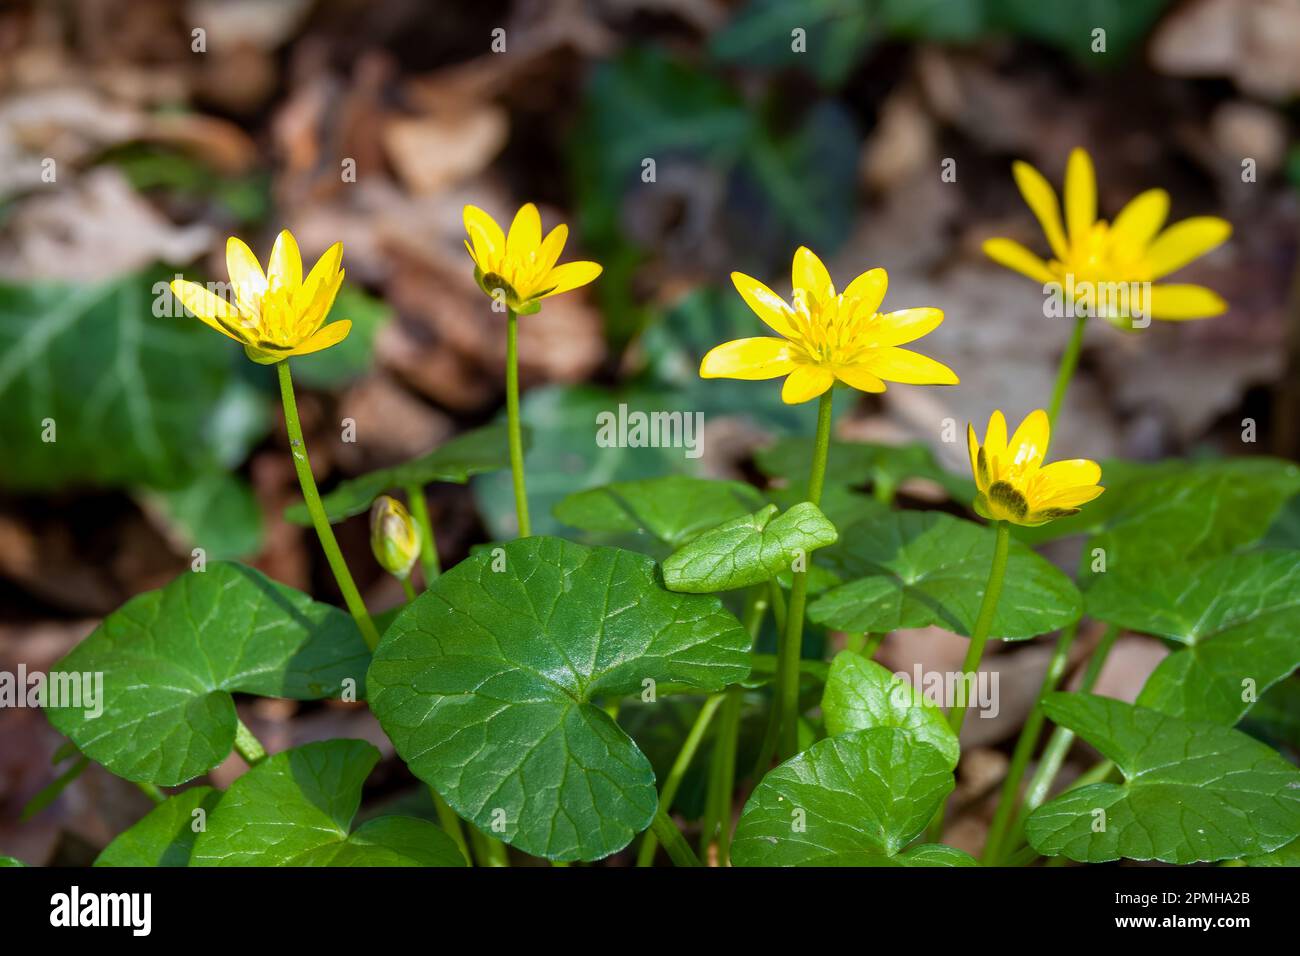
1089 252
828 337
1012 481
522 264
394 536
274 314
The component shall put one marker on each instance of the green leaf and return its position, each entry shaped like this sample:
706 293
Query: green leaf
352 357
166 835
485 684
836 33
1237 615
9 861
456 461
296 809
748 550
915 568
673 509
1199 511
171 658
853 464
856 799
98 389
1070 26
860 694
1288 855
1192 792
1276 718
216 512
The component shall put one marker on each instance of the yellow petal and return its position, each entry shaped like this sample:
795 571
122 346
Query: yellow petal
317 309
1184 241
212 309
1065 475
1029 444
869 291
750 359
321 277
284 270
1019 259
1042 200
1139 221
973 447
552 246
905 325
332 334
995 436
246 276
1070 497
1080 196
805 382
859 377
525 234
908 367
1177 302
489 241
767 305
569 276
808 273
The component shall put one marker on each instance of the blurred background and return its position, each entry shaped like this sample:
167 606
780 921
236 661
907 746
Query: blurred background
136 136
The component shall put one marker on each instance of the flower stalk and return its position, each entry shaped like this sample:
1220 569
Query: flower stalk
515 435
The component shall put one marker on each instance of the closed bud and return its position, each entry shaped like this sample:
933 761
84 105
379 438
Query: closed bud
393 536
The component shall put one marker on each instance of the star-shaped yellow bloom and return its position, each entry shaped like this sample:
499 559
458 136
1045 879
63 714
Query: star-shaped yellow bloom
828 337
521 264
1088 251
274 314
1013 483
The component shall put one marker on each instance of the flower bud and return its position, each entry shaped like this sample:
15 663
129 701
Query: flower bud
394 537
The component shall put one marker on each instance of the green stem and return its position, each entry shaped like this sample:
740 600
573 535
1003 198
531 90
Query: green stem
791 650
1025 745
428 543
649 843
1065 372
873 642
450 823
302 465
408 588
51 792
975 651
152 792
248 746
512 423
725 770
679 851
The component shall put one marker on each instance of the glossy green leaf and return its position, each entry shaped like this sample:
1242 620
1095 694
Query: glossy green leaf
296 809
171 658
918 568
1192 791
673 509
486 683
748 550
854 464
456 461
166 835
98 389
861 694
1275 719
1288 855
1239 617
856 799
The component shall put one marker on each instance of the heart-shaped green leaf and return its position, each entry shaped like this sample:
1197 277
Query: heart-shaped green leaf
171 658
860 694
296 809
485 686
166 835
917 568
1192 791
856 799
673 509
456 461
1238 615
748 550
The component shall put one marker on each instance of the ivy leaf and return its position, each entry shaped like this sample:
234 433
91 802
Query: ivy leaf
296 809
673 509
485 684
856 799
861 694
171 658
917 568
1192 792
852 464
166 835
456 461
748 550
1238 615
